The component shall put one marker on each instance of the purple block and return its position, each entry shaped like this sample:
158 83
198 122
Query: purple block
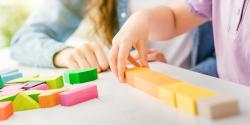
29 85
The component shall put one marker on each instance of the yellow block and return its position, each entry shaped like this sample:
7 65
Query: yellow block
150 81
131 73
186 98
167 93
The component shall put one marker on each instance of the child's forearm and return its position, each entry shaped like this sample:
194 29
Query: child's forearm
166 22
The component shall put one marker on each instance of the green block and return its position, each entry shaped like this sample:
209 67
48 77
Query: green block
1 83
7 98
80 76
54 82
33 94
24 102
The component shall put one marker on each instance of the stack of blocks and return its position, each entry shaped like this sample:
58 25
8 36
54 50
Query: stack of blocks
182 95
34 92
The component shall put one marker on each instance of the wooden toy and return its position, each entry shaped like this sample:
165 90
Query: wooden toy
186 98
1 83
6 110
24 102
7 98
11 76
33 94
80 76
12 87
217 107
78 95
24 79
40 87
11 92
54 82
29 85
131 73
167 93
50 98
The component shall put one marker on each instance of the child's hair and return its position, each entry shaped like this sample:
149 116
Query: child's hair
103 14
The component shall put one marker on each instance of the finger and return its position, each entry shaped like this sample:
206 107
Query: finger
81 60
133 61
122 58
90 57
100 56
142 54
157 56
72 64
112 58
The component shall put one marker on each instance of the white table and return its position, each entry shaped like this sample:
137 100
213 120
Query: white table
120 104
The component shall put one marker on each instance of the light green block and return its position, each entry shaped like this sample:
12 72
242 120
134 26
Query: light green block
24 102
24 79
33 94
54 82
80 76
7 98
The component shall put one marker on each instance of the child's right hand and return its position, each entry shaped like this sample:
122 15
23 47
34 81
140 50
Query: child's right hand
134 34
85 56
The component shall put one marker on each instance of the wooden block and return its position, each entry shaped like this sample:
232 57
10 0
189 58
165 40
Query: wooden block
7 98
78 95
1 83
150 81
50 98
186 98
12 87
131 73
24 79
7 71
24 102
30 85
167 93
33 94
40 87
6 110
217 107
12 92
54 82
80 76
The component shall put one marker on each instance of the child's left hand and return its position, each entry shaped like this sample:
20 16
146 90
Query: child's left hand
152 56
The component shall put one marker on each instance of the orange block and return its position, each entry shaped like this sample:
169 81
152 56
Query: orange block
131 73
150 81
6 110
50 98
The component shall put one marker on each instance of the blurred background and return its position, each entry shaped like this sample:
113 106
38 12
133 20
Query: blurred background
13 14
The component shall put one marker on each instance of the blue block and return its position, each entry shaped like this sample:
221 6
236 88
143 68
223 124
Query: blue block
7 71
29 85
11 76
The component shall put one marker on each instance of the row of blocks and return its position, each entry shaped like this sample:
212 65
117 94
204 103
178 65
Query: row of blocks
179 94
34 99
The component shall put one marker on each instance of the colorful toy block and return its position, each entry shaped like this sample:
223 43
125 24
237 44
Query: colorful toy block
167 93
6 110
78 95
12 87
33 94
24 79
187 96
217 107
40 87
80 76
24 102
11 76
131 73
11 92
54 82
30 85
7 98
50 98
1 83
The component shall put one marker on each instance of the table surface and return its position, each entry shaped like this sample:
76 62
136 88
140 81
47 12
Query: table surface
120 104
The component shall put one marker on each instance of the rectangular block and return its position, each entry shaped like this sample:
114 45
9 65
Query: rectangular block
54 82
50 98
40 87
12 87
11 76
167 93
1 83
78 95
131 73
30 85
7 71
217 107
6 110
24 79
9 93
80 76
186 98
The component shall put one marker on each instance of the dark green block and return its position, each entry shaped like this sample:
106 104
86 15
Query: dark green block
80 76
1 83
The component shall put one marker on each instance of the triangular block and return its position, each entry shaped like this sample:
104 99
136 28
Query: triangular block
33 94
24 102
7 98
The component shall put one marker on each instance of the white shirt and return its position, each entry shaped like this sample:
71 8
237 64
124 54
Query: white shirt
178 50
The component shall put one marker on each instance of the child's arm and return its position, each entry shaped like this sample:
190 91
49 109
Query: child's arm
151 24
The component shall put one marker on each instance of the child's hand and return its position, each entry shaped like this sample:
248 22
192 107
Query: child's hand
134 34
152 56
87 55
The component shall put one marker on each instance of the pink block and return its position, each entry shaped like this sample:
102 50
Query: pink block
78 95
12 87
11 92
41 87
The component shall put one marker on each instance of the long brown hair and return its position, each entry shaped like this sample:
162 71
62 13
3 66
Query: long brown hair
103 14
